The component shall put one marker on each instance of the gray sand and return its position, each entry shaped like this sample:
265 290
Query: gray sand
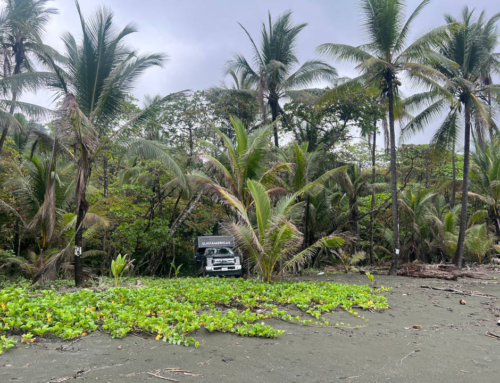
451 347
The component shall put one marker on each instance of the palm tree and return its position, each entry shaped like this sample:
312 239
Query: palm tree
272 70
274 240
97 76
243 96
470 49
354 183
477 242
444 227
42 190
243 160
305 179
415 208
22 25
485 177
383 58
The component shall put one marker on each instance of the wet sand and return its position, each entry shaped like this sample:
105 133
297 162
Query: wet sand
450 347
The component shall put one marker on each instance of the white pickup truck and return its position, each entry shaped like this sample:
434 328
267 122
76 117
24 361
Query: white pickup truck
214 256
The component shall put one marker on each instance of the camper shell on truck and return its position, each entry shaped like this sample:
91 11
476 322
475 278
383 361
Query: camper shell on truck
216 256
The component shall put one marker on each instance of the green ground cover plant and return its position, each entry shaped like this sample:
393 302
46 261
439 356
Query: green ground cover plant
173 310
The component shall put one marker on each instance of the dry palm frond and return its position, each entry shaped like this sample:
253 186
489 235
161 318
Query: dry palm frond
50 270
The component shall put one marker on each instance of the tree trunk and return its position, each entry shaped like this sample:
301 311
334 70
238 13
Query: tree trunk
106 175
273 104
490 127
191 145
17 240
160 199
372 206
496 221
83 178
394 182
306 223
4 136
6 127
18 50
459 254
454 182
355 224
82 211
185 213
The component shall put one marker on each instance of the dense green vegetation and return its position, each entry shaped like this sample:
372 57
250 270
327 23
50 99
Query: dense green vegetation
268 158
173 309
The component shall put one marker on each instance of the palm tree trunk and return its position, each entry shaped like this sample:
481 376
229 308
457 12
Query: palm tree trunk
454 183
83 178
394 182
273 104
496 221
17 240
355 224
372 206
4 136
17 69
459 254
490 128
106 175
82 211
6 127
306 223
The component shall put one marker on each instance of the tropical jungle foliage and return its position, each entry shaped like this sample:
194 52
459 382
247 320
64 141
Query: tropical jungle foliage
301 165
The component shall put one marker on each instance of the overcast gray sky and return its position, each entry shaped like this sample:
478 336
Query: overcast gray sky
201 35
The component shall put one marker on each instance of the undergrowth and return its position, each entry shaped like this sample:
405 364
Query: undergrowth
174 309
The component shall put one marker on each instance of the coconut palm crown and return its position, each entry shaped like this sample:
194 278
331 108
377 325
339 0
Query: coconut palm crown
272 70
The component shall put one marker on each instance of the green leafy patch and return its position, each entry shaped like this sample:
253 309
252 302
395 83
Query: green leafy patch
174 309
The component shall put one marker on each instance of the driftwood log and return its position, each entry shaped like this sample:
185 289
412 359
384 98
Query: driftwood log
460 292
440 271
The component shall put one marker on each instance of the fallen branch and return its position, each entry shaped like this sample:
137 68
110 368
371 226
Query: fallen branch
185 372
440 271
350 377
64 348
494 336
162 377
413 352
460 292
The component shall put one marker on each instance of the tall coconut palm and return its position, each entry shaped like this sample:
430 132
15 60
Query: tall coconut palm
271 71
97 75
383 59
22 23
470 48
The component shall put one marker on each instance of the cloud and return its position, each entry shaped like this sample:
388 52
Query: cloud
200 36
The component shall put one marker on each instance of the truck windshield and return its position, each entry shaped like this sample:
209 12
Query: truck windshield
223 250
